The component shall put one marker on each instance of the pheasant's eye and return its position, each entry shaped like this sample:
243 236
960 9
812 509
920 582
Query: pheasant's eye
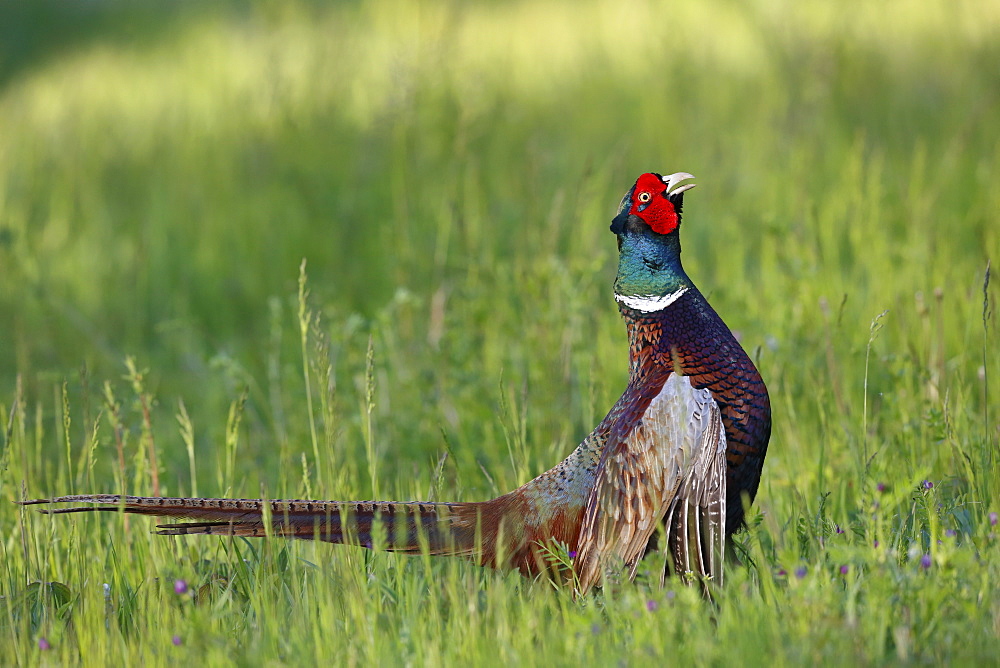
644 197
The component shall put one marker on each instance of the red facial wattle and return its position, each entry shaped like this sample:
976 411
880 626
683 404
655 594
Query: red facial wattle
656 211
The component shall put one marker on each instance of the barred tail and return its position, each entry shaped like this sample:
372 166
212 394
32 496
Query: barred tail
438 528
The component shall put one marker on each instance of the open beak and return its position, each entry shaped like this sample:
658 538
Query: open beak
673 183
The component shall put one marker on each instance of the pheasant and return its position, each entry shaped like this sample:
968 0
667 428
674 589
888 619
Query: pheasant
681 451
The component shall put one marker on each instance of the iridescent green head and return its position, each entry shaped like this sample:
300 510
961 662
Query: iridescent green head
650 276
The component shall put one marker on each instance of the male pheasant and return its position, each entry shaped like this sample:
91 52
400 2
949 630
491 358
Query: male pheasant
682 448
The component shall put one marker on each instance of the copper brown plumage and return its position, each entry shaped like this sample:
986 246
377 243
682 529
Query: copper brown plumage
679 449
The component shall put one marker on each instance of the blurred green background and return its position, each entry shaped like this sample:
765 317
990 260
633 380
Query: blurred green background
449 170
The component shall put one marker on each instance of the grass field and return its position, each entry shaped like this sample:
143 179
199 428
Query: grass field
448 172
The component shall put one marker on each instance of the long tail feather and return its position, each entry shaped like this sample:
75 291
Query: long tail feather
439 528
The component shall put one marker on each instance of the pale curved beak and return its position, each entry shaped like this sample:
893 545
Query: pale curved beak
673 183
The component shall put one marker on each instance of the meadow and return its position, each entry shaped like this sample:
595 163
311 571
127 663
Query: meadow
361 250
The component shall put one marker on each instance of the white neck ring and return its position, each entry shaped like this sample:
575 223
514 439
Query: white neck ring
650 303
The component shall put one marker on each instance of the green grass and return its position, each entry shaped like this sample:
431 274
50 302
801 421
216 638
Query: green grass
449 172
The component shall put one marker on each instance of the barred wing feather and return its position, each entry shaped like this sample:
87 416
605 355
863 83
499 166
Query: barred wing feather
668 464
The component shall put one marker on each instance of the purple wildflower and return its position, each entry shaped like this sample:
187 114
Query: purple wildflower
180 587
844 569
801 572
925 561
43 644
176 640
875 544
880 487
927 484
951 533
670 595
652 605
782 572
837 529
595 629
994 518
572 554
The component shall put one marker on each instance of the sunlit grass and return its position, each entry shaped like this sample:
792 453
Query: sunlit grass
449 173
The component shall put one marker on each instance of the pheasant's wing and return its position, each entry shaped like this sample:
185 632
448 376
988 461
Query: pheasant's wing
696 521
669 462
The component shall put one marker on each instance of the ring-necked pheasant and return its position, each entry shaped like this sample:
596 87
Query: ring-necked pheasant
682 448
